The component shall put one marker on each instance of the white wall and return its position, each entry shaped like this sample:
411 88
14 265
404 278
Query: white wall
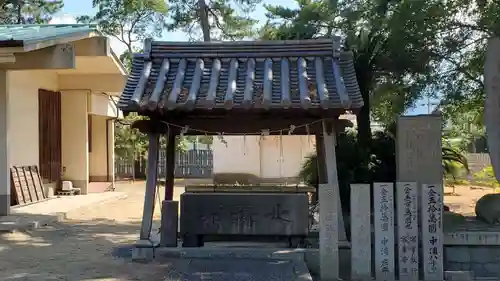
23 113
75 156
283 158
111 147
98 157
237 155
102 105
261 157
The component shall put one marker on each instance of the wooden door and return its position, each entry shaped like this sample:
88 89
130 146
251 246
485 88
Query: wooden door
49 129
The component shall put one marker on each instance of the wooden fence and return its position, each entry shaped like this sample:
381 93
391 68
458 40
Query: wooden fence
188 164
398 235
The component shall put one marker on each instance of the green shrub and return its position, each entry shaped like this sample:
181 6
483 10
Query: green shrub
380 168
486 173
485 177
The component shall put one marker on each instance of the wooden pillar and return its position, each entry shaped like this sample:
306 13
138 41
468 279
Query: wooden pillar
329 210
4 146
320 157
170 166
170 208
151 182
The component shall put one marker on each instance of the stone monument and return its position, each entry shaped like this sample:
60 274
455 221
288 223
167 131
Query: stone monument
418 149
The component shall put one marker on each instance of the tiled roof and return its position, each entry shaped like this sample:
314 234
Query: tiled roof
20 35
261 74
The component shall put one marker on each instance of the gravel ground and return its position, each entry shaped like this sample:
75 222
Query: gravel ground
84 247
81 248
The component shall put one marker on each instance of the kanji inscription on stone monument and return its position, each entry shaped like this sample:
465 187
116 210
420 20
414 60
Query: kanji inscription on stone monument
432 231
383 204
407 214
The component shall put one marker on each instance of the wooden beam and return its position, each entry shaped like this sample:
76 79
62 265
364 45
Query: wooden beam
93 47
60 56
94 82
238 126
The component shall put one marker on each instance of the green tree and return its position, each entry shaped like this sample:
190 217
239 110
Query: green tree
216 20
396 46
28 11
461 81
220 19
129 21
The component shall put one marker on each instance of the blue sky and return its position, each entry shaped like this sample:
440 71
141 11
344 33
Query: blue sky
73 8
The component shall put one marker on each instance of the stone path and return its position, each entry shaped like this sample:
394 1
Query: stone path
463 201
80 248
83 246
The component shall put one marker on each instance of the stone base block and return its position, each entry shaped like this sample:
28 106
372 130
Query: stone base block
143 251
458 276
169 223
4 204
282 214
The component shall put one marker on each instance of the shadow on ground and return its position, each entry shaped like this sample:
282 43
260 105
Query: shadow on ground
79 250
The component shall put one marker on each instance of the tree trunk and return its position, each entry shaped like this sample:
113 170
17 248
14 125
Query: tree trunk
364 132
364 124
363 117
205 25
19 11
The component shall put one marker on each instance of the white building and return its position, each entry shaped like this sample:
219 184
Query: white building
267 157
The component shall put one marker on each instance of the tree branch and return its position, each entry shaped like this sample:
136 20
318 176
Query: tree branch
476 28
219 25
132 26
122 31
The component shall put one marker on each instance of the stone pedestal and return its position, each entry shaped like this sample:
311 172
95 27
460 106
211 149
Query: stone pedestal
328 233
458 276
240 214
143 251
361 258
169 223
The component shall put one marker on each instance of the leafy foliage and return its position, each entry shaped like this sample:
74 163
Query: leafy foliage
404 50
392 75
381 168
452 161
485 177
216 20
382 165
129 21
28 11
461 78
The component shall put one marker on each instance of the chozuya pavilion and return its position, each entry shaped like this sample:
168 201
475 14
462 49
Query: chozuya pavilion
295 87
